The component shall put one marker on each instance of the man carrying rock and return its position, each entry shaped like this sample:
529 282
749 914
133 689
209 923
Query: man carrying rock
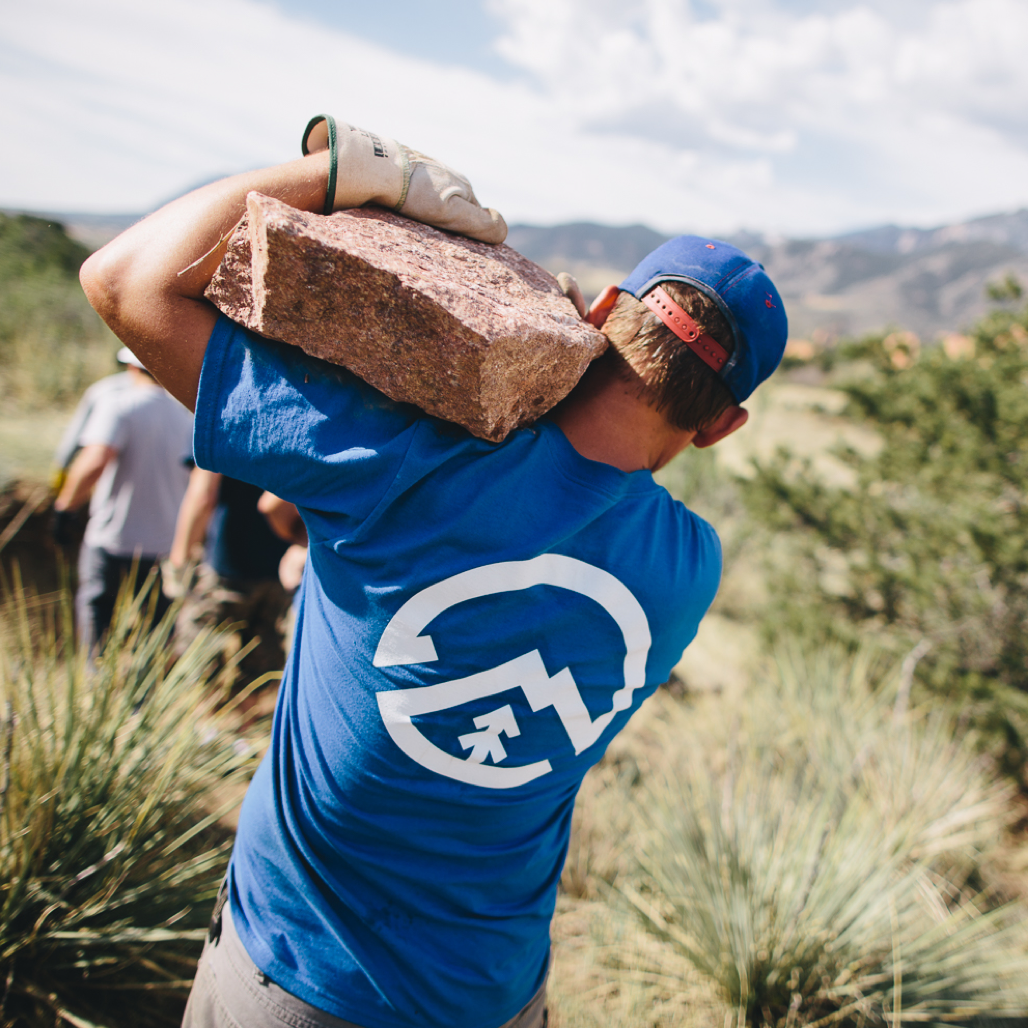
477 619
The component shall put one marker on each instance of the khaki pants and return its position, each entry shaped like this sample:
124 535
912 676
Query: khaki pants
230 991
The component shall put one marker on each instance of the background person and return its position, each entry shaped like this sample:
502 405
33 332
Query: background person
236 582
285 519
130 463
70 443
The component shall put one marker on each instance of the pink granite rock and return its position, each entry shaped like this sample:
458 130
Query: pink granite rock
467 331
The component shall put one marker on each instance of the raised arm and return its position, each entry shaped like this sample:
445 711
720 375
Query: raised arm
148 283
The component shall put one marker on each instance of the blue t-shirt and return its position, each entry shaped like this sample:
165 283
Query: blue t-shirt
476 623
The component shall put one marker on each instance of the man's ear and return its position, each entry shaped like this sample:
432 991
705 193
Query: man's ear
602 306
731 419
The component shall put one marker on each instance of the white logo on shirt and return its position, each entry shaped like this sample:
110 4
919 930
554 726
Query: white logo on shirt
403 643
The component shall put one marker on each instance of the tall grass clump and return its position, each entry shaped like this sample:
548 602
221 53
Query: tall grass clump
110 852
829 865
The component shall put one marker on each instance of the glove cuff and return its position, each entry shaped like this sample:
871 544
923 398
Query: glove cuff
405 165
333 156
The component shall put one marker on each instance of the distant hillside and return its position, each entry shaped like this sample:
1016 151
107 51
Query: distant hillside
929 280
31 247
52 343
91 230
585 242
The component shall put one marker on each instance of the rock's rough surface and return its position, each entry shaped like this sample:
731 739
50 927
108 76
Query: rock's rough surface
469 332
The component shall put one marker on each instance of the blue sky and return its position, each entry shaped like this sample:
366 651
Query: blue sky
799 117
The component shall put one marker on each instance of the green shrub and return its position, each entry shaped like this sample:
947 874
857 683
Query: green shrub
827 869
52 343
110 852
930 547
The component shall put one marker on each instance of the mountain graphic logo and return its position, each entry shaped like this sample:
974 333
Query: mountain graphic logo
404 642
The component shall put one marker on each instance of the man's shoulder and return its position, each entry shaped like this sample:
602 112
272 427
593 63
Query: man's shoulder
106 393
153 401
107 386
690 543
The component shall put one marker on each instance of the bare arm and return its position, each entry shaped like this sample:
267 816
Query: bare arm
284 518
85 469
194 514
138 284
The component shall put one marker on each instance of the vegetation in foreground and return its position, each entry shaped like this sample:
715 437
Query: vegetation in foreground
830 868
825 856
110 856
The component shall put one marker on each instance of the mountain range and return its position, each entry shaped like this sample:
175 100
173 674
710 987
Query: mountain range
929 281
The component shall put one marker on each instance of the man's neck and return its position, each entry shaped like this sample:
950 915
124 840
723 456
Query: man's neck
606 420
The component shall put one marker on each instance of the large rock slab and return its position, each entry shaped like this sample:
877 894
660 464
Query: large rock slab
467 331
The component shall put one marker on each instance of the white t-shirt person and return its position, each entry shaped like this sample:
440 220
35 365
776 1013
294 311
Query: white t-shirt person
133 444
136 499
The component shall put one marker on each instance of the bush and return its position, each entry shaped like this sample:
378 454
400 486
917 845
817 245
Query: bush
110 855
930 548
828 868
52 343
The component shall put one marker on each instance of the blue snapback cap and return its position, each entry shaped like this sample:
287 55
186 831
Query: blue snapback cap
741 289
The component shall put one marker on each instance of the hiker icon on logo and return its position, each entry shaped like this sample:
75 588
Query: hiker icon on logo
403 642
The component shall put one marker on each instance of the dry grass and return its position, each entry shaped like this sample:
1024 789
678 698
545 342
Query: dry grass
810 853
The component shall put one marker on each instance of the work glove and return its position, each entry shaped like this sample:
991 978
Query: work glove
176 581
366 168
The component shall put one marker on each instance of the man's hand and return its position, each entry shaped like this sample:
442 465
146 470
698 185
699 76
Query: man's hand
148 284
366 168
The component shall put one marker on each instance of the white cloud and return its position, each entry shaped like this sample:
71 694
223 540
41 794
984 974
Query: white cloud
747 115
933 107
118 103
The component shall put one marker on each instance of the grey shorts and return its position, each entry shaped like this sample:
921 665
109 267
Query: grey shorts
230 991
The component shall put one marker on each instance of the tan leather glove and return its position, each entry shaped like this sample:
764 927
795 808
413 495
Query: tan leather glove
366 168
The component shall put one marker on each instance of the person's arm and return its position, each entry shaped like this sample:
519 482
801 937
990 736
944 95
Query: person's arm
85 469
290 567
68 447
148 283
194 514
284 518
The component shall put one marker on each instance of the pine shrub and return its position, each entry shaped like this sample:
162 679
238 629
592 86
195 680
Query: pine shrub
929 550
